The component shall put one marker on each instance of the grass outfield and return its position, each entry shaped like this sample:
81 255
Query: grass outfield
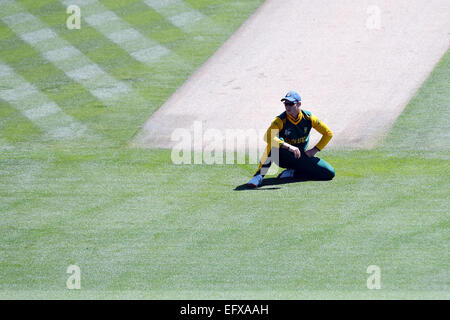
139 226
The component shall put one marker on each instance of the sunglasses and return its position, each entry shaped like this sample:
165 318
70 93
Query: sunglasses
288 103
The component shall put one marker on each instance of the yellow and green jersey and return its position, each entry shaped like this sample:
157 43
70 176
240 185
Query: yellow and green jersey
285 129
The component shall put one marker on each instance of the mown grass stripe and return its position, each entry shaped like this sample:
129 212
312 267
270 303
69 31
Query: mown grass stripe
111 110
80 68
18 92
37 36
99 19
150 55
123 36
185 18
61 53
18 18
42 111
5 70
122 33
85 73
34 105
178 12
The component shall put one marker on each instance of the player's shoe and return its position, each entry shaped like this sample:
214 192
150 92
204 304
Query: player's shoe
256 181
286 174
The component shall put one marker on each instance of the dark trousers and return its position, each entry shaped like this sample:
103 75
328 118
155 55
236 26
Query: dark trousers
305 168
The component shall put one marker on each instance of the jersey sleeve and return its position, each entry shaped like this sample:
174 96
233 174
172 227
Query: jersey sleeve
271 136
323 129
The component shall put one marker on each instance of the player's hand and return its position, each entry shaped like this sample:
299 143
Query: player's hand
295 151
311 152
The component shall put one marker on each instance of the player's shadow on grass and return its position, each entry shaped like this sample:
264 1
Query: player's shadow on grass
269 182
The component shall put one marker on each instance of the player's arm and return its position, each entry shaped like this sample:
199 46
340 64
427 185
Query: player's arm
324 130
272 139
326 133
271 135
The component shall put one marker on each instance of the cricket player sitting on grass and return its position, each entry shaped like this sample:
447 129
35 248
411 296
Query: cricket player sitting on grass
287 140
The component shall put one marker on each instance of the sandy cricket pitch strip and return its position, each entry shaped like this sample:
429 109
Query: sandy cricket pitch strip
356 65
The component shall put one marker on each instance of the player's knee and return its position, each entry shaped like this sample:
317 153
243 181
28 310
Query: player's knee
330 174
